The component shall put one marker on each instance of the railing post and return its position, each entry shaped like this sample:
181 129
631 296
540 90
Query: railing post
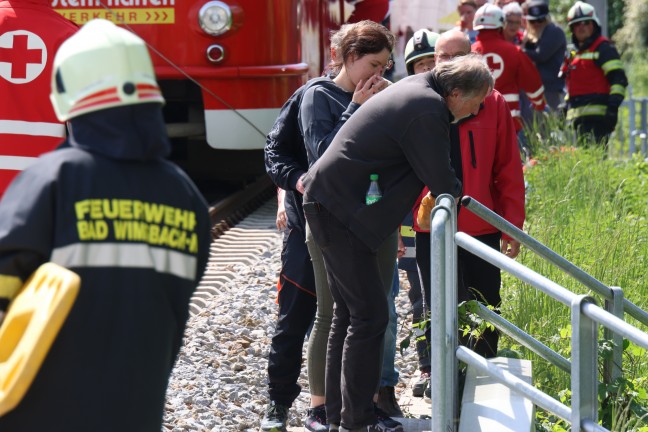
443 307
584 375
452 314
619 131
642 134
632 128
612 366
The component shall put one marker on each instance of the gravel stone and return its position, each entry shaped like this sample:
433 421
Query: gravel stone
219 382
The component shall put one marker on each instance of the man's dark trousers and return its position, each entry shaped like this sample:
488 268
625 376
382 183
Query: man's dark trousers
360 318
477 280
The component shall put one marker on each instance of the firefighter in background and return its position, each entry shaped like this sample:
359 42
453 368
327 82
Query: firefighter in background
596 80
419 52
30 34
512 69
108 206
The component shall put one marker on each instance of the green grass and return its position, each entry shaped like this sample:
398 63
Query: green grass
637 71
593 210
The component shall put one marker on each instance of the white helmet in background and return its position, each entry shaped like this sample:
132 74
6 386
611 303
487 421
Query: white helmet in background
488 17
101 66
582 11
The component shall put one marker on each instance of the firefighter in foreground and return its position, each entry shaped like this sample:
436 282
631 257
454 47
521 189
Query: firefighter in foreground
30 34
108 206
596 80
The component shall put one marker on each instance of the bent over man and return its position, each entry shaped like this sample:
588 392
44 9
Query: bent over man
129 223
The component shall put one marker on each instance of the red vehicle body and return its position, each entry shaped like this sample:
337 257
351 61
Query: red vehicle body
224 91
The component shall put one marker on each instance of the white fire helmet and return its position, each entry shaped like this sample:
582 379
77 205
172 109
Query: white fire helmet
101 66
488 17
421 44
582 12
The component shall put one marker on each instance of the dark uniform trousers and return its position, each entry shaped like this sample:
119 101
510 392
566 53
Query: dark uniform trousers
360 317
477 280
296 312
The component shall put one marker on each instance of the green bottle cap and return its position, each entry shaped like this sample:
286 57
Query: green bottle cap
373 177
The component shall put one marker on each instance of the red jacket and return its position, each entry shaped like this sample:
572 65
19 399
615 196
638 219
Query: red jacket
492 168
513 71
30 34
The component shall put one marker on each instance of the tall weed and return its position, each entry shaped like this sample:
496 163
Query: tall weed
593 210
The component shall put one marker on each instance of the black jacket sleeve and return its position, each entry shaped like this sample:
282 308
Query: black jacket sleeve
610 62
284 152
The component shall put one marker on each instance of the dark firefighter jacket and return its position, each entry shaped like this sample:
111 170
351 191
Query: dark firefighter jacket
136 230
595 78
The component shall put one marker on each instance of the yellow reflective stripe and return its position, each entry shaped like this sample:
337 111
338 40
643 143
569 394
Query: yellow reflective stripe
126 255
586 110
588 55
9 286
617 89
407 231
612 65
409 253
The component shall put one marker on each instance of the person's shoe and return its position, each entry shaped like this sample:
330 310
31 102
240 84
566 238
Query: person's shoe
387 402
316 419
275 418
385 422
428 392
421 385
378 427
334 428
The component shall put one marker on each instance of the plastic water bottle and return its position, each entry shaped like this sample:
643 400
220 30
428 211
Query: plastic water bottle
373 193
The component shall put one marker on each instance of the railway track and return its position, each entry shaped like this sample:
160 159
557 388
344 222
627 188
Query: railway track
243 227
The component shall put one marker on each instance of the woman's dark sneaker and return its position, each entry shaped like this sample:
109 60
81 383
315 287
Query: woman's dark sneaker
316 419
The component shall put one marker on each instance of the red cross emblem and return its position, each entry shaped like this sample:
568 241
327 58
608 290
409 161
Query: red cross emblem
495 63
23 56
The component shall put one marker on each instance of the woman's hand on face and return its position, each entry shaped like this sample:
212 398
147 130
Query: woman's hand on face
366 89
382 84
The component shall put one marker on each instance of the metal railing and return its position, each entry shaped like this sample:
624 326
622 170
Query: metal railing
586 316
635 110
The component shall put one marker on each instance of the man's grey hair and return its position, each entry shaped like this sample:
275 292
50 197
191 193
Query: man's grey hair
469 74
512 8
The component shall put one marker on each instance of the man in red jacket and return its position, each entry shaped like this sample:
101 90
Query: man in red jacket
512 69
30 34
485 157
